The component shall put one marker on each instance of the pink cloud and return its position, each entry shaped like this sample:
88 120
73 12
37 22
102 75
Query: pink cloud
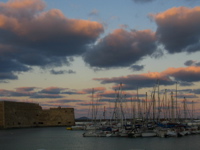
178 29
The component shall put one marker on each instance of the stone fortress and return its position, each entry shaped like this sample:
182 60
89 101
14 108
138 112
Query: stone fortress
22 114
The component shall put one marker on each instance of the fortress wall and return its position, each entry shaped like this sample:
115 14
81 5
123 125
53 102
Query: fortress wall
57 117
21 114
1 115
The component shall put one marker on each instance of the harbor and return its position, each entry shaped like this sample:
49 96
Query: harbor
141 129
58 138
150 117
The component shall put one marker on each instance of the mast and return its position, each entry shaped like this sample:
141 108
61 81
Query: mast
184 106
146 107
138 104
165 104
121 107
93 111
176 103
158 102
192 110
154 103
172 107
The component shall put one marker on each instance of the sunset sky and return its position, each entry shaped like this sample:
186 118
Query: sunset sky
55 52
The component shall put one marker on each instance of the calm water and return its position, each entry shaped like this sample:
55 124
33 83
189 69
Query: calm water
58 138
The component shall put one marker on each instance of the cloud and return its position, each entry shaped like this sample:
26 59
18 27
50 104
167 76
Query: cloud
187 74
8 76
52 90
30 36
142 1
170 76
90 104
138 81
115 94
192 63
109 94
18 93
185 91
121 48
8 99
25 89
66 101
186 96
8 67
94 12
189 63
137 67
62 72
178 29
72 92
41 96
54 105
93 90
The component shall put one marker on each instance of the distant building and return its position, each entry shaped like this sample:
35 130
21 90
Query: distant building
21 114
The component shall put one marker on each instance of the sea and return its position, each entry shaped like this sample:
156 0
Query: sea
58 138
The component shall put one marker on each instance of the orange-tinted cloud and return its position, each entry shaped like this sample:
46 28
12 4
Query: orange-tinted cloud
121 48
35 37
189 74
52 90
184 76
178 29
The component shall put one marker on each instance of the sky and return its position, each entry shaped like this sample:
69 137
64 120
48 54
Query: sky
57 53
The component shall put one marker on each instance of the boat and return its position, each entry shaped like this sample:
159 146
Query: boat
172 133
94 133
149 133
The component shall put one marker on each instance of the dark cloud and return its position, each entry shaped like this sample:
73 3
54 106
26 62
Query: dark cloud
178 29
93 90
62 72
10 68
137 81
71 92
8 76
188 102
108 100
188 74
184 76
90 104
142 1
184 83
189 63
53 105
121 48
109 95
29 36
66 101
52 90
186 96
40 96
8 99
194 91
12 65
192 63
115 94
197 64
9 93
26 89
137 67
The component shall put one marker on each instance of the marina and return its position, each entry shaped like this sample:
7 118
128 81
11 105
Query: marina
149 117
58 138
